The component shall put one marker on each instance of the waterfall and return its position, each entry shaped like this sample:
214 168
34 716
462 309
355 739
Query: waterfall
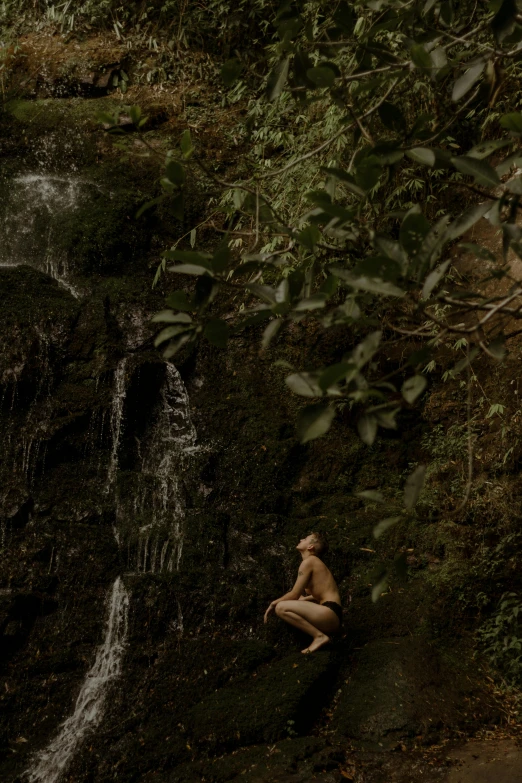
154 500
171 439
50 763
118 400
32 218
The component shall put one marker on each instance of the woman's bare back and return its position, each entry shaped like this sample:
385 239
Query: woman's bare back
321 584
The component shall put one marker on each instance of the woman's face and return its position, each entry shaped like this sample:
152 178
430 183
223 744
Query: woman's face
304 543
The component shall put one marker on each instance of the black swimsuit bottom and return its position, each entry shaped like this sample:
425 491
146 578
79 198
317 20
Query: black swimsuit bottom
335 607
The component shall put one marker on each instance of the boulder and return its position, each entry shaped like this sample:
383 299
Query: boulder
404 687
283 699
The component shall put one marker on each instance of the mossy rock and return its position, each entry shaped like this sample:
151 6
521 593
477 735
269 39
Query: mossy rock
282 700
298 757
51 112
404 688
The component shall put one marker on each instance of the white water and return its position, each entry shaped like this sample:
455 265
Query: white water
50 763
156 501
118 400
172 438
37 202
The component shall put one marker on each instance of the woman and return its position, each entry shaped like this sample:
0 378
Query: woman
313 604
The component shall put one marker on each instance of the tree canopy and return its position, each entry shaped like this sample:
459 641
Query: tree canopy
381 133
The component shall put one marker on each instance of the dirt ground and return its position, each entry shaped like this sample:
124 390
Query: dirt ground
487 762
494 760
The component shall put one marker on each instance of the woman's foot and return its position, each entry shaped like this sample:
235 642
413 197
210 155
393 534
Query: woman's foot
317 643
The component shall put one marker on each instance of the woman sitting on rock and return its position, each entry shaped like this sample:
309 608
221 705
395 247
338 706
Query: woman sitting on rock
313 604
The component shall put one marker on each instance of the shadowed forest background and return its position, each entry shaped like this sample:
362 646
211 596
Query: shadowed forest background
260 274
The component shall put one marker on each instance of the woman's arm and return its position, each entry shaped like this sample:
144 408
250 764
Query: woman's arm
303 577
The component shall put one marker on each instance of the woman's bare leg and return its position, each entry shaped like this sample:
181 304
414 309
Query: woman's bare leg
315 620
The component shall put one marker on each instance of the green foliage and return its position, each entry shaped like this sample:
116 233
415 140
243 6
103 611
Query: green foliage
501 638
347 107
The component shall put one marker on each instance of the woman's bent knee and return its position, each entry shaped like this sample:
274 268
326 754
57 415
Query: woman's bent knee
280 608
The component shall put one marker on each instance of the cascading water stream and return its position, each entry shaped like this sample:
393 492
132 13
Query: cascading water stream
50 763
170 438
32 219
118 400
156 499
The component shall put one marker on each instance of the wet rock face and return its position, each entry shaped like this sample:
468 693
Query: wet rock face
280 700
413 691
188 484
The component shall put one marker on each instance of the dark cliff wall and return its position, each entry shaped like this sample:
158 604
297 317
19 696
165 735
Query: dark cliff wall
202 676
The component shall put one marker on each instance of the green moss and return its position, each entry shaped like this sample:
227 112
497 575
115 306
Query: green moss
281 700
48 112
402 687
252 765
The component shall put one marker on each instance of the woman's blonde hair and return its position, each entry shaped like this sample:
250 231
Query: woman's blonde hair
320 543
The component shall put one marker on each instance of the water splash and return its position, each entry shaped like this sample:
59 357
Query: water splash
90 705
118 400
33 218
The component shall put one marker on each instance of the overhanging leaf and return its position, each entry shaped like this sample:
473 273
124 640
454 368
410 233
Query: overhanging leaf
483 173
463 363
413 486
189 257
335 373
263 292
367 172
217 332
312 303
363 352
309 236
221 257
270 331
175 172
175 345
373 285
186 144
422 155
384 525
386 418
512 122
466 220
345 178
420 57
434 278
370 494
277 79
177 206
179 300
321 76
379 588
149 204
305 384
498 348
231 71
412 232
515 185
413 388
504 20
432 243
367 427
488 147
170 332
168 317
467 80
314 421
189 269
392 117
